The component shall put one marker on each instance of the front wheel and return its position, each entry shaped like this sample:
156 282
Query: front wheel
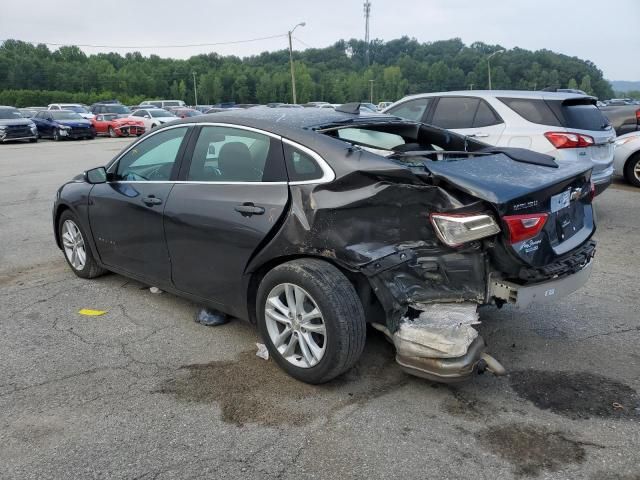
56 135
76 249
632 170
311 320
112 132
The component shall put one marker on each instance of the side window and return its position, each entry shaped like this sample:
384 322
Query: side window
532 110
412 110
300 166
455 112
227 154
485 116
153 158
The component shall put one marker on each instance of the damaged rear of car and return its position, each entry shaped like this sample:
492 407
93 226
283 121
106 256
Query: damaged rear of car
430 225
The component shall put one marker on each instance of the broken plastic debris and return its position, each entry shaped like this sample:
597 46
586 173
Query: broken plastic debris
91 313
262 351
155 290
211 318
617 406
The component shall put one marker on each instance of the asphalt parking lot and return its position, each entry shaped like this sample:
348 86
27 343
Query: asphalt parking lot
145 392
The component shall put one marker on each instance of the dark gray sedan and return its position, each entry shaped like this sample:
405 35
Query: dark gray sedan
311 223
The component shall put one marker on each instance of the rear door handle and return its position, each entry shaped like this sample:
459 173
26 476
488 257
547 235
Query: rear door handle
248 209
479 135
152 200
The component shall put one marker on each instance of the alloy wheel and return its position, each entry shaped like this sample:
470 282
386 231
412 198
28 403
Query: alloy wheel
636 170
73 243
295 325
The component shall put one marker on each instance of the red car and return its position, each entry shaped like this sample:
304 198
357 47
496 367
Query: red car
114 126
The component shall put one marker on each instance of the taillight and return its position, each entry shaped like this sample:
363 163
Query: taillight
569 140
523 227
638 116
456 229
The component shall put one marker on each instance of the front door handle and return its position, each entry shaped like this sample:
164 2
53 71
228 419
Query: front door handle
479 135
248 208
152 200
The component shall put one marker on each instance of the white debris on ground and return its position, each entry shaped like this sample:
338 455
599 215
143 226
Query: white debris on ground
155 290
440 331
262 351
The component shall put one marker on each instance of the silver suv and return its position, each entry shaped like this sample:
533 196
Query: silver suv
567 126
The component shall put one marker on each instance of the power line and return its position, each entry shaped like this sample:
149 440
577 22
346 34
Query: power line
141 47
303 43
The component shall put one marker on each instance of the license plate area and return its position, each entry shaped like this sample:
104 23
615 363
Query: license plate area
560 201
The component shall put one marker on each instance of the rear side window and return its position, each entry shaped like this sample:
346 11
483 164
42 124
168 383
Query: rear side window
532 110
584 117
411 110
301 166
485 116
455 112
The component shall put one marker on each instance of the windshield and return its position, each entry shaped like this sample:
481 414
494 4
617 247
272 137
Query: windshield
110 116
9 113
160 113
75 108
63 115
117 109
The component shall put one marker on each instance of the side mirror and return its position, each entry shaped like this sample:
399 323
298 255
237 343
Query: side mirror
147 116
96 175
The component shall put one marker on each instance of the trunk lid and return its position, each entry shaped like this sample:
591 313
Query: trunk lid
515 188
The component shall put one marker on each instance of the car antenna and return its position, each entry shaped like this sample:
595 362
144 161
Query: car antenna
353 108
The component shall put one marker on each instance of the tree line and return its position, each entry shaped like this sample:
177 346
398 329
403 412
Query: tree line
36 75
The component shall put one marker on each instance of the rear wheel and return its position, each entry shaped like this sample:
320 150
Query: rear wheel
76 248
632 170
311 320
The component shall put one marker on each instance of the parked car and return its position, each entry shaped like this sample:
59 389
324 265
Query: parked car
566 126
114 126
369 106
133 108
202 108
624 117
220 109
74 107
312 225
153 117
185 112
383 105
165 103
13 126
626 159
27 112
314 104
117 108
61 124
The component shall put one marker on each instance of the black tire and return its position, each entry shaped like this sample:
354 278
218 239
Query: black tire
112 132
56 135
91 268
33 140
633 162
341 309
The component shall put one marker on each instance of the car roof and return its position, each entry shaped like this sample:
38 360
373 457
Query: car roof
502 93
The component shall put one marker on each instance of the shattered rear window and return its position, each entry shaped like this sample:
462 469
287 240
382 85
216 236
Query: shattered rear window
372 138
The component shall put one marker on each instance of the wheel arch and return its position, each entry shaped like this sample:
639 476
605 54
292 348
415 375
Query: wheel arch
372 307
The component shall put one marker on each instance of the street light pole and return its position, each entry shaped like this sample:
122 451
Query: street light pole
293 73
489 65
371 91
195 90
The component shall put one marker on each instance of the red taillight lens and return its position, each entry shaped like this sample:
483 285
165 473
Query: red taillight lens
592 191
523 227
569 140
638 115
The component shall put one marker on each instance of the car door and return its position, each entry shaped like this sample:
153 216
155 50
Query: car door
231 197
99 124
469 116
126 213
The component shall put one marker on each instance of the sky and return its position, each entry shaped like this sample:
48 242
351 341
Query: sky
604 32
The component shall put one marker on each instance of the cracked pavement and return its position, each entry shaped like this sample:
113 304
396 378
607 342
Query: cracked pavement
144 392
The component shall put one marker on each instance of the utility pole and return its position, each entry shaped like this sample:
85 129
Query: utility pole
195 90
371 91
293 73
367 13
489 65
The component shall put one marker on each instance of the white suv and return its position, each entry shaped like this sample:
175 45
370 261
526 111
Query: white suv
74 107
567 126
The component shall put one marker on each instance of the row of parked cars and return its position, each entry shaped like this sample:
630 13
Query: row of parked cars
566 125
